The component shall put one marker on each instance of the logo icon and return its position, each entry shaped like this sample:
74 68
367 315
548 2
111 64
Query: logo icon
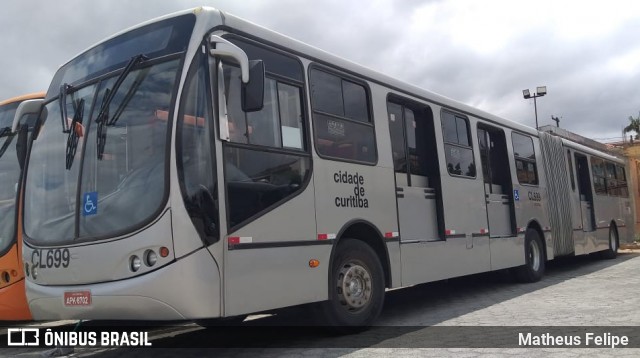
20 337
516 195
90 203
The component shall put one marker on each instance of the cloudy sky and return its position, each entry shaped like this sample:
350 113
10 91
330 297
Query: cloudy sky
483 53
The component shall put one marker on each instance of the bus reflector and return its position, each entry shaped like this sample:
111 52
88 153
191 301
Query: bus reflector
164 252
235 240
449 232
391 235
14 273
326 236
314 263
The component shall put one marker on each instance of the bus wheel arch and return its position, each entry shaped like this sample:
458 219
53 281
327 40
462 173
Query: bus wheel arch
614 242
364 231
535 255
535 225
356 279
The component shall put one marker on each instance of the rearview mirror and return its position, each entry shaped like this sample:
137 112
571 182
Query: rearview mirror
28 107
252 72
253 91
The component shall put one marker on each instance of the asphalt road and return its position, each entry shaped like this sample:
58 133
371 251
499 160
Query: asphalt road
583 293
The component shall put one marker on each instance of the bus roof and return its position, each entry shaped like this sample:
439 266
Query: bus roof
23 98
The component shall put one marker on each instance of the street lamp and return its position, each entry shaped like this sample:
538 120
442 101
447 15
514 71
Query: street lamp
541 91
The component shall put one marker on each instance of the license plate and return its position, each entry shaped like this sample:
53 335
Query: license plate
77 298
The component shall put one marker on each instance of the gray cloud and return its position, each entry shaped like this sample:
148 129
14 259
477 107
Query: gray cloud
480 58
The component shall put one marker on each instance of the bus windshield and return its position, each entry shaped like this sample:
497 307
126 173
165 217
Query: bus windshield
9 176
97 166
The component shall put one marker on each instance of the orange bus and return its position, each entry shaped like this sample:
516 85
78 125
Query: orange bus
13 134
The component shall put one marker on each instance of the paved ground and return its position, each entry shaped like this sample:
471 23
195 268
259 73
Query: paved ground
575 292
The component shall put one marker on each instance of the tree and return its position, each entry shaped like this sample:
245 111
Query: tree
634 125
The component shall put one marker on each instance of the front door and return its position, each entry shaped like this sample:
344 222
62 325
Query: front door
586 194
497 181
416 170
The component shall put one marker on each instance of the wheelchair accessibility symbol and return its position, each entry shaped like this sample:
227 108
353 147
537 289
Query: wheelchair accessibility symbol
516 195
90 203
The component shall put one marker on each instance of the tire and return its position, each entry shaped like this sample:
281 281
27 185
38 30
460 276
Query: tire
354 303
533 269
612 251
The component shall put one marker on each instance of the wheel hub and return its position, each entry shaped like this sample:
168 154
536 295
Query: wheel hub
354 286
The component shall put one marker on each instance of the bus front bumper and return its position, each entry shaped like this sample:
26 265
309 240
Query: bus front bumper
13 303
188 288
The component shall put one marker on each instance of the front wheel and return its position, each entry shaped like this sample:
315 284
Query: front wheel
356 287
612 251
533 269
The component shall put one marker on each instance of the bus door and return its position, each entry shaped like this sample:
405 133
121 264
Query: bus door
416 170
497 181
586 194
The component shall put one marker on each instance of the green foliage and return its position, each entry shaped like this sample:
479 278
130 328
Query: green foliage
634 125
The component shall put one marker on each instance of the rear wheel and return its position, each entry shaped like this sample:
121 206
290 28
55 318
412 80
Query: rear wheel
533 269
356 289
612 251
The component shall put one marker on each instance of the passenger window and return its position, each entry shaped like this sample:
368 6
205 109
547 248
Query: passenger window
612 182
599 179
341 118
525 159
457 145
622 181
396 129
278 124
409 133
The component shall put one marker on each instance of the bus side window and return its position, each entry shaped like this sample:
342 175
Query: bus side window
342 122
622 181
599 178
525 158
457 145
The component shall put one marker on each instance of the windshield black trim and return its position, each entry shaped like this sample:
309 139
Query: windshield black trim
198 60
182 29
167 185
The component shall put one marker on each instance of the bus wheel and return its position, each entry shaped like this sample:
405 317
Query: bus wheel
533 269
356 290
612 251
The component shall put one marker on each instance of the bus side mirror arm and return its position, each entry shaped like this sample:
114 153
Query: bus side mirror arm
252 72
25 108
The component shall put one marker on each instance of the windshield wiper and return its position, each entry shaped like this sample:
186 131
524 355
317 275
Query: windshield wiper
103 118
62 101
75 132
6 131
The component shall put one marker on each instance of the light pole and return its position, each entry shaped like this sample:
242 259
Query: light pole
541 91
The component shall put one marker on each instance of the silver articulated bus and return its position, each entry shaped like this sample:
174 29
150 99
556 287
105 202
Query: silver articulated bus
200 166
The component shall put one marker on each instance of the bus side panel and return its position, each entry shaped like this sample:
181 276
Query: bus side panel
270 267
606 210
337 206
13 302
437 260
507 252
